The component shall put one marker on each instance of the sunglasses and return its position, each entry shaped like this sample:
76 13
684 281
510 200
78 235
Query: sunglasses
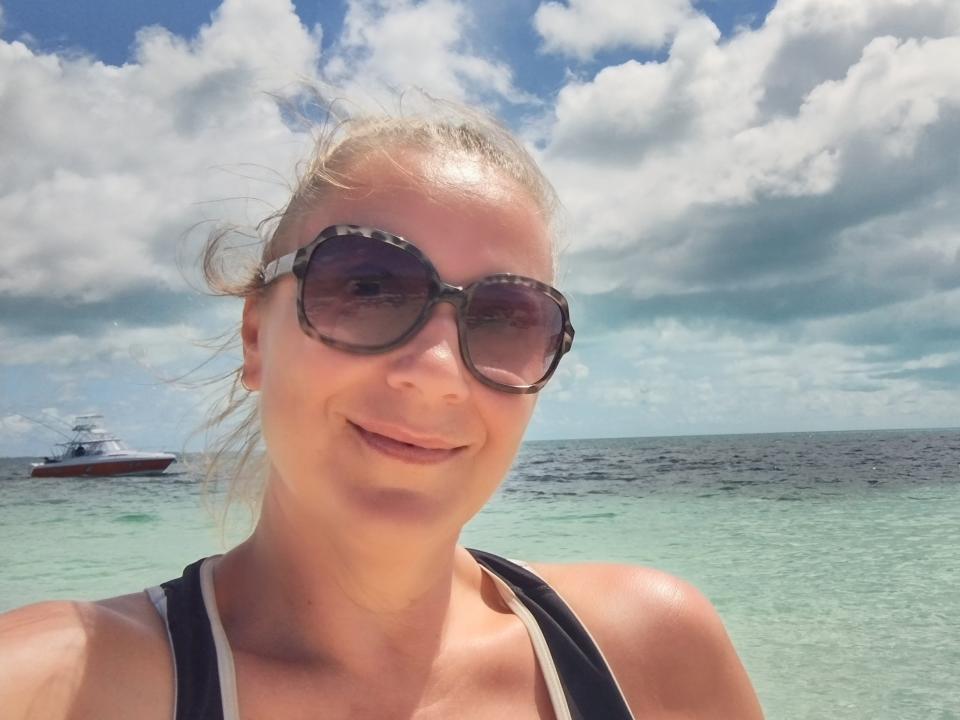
367 291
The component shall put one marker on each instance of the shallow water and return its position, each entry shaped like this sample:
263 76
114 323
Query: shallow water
832 557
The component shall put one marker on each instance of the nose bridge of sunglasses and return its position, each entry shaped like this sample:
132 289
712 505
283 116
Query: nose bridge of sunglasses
443 318
452 295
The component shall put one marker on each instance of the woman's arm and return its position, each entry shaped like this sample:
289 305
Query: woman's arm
663 640
698 670
79 660
42 660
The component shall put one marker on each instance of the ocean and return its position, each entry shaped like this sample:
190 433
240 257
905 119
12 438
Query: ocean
832 557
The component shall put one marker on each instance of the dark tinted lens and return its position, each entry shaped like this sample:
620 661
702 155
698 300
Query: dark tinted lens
514 332
363 292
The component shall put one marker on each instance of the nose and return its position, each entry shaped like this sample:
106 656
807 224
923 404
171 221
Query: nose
430 362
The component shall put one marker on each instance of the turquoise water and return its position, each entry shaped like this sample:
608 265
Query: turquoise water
832 557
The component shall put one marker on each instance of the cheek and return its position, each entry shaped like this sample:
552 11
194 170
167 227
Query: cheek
299 375
285 414
506 418
296 368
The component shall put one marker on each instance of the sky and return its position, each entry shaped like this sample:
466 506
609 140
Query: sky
760 222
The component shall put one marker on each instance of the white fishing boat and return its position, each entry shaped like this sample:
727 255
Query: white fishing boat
92 451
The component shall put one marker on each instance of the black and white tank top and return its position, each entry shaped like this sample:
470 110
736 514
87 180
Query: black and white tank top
578 678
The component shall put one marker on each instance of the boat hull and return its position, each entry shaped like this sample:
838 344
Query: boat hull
102 468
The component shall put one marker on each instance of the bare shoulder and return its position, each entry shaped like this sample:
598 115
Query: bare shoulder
662 637
79 660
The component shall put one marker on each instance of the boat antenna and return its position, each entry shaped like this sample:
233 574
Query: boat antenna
42 423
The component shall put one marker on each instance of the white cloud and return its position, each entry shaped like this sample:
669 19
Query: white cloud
567 378
685 378
394 45
104 166
149 347
659 163
583 27
262 37
15 425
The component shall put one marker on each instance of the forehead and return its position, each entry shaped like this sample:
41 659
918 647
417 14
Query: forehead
471 220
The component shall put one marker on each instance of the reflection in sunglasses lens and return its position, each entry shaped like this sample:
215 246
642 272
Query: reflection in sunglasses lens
363 291
513 332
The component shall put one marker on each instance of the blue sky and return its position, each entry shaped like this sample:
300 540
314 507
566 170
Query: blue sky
760 224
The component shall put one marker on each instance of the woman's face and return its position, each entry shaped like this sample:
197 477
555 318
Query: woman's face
333 422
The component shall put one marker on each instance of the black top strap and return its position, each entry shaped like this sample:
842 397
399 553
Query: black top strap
195 654
589 686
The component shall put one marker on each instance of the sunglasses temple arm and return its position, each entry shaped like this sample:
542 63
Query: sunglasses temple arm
278 267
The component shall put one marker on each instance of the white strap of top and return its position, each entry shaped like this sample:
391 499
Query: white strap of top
547 667
225 669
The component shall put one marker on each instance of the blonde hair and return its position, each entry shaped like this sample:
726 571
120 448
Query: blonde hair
232 428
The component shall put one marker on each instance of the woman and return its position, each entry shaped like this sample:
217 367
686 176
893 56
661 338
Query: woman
391 404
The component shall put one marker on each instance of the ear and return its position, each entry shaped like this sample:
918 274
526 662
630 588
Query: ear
250 337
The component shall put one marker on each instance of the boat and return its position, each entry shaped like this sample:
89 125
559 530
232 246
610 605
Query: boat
92 451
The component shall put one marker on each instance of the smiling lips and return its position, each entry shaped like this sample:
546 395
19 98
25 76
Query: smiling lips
398 445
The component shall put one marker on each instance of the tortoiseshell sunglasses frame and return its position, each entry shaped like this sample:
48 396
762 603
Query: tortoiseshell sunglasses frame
439 291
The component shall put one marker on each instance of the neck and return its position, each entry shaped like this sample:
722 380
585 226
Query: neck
355 601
